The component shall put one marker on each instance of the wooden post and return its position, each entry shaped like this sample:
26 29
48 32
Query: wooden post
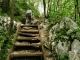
42 45
12 17
11 49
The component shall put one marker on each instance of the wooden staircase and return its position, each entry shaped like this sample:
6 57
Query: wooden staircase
27 44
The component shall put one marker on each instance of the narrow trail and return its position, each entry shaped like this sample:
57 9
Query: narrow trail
27 44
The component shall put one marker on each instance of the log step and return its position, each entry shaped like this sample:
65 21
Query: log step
28 38
29 31
28 34
23 55
23 25
15 54
27 28
27 44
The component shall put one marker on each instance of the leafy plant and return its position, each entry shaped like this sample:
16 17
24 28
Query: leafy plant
64 56
5 44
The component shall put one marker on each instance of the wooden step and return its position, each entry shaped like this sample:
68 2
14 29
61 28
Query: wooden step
28 38
28 25
27 28
22 30
15 54
23 55
27 44
28 34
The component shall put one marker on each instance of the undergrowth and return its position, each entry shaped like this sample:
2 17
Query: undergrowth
5 44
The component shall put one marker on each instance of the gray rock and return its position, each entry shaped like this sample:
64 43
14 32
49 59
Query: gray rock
62 47
4 23
60 36
74 54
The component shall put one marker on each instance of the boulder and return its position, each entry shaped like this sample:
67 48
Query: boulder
4 23
74 54
62 38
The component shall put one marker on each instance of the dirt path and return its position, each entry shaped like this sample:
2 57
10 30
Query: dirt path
44 38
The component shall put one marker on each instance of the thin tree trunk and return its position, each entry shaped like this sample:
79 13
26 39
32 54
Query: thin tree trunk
75 11
77 7
44 3
12 17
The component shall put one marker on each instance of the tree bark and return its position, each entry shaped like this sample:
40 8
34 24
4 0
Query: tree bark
44 3
77 7
12 17
75 10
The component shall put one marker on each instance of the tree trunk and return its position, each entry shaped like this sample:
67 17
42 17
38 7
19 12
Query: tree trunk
75 10
77 7
44 3
12 17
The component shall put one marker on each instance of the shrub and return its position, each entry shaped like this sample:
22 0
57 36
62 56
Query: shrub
64 56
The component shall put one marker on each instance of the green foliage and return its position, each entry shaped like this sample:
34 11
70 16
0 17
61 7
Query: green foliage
20 10
78 23
3 53
66 34
78 34
64 56
59 9
5 44
0 11
2 14
60 34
